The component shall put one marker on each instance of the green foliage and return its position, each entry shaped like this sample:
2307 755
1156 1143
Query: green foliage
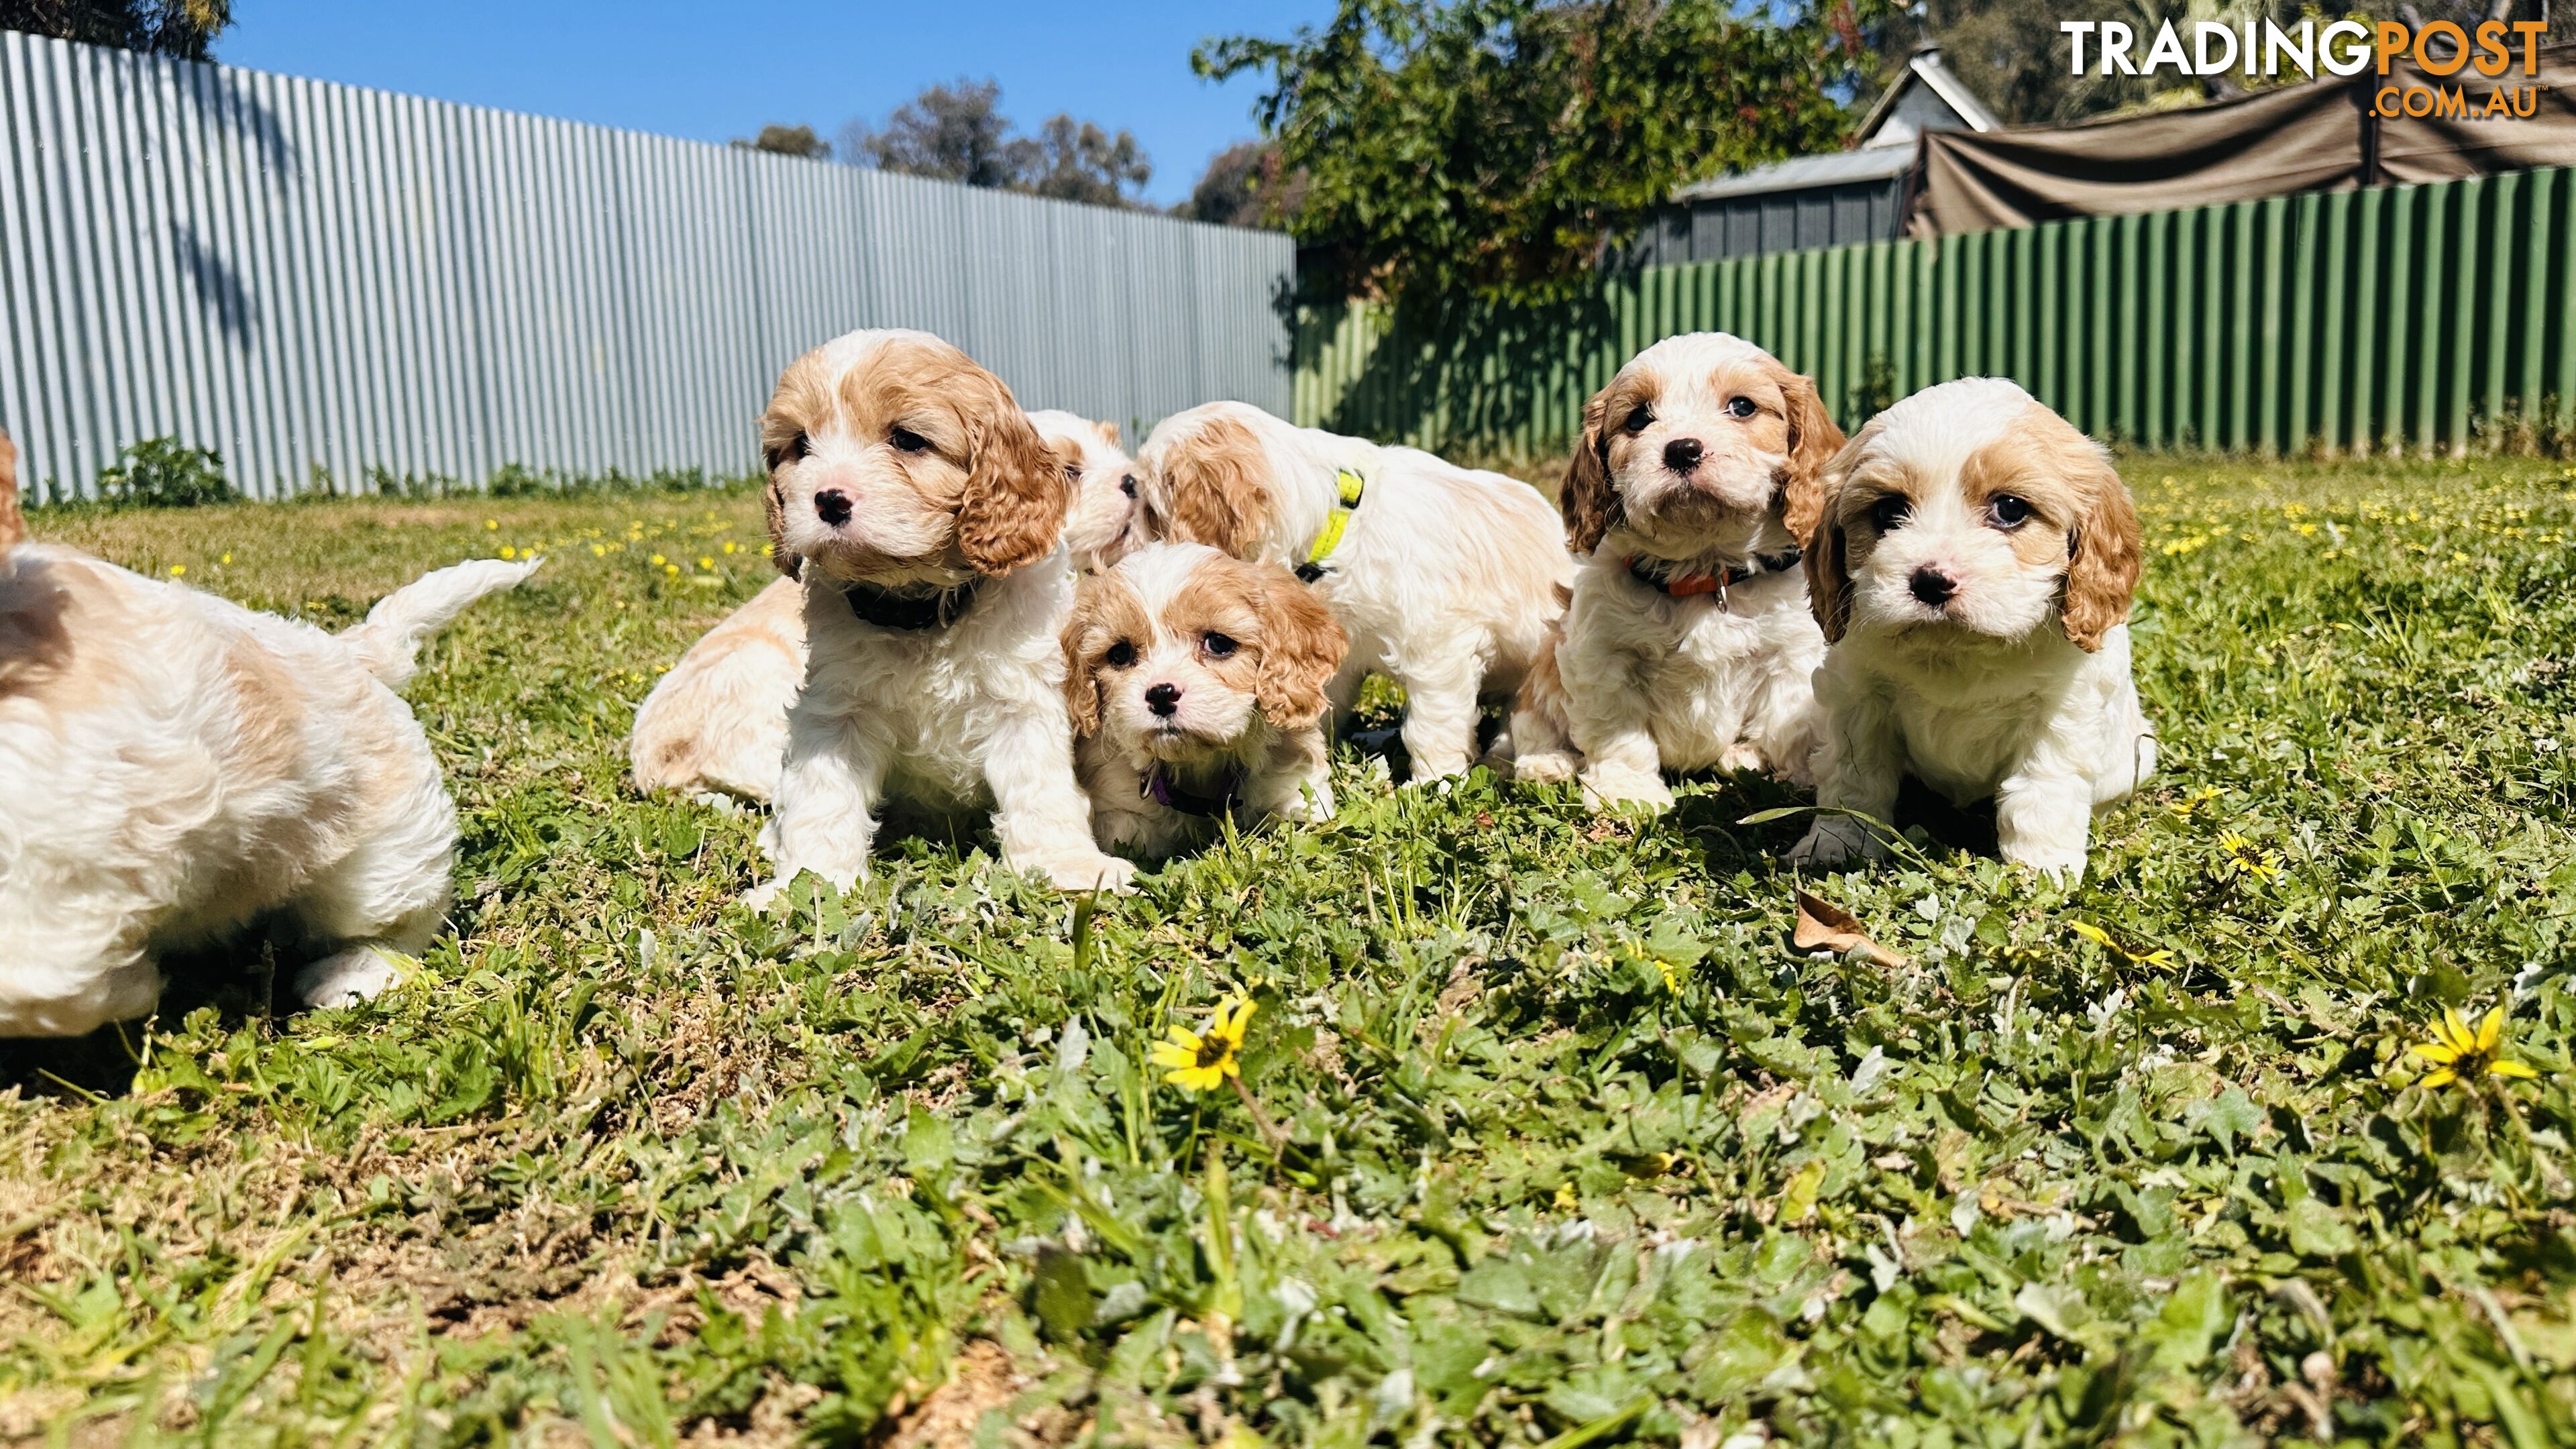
957 132
797 141
184 28
165 473
1494 146
1577 1146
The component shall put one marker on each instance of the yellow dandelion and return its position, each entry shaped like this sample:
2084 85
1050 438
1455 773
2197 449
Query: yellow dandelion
730 545
2457 1053
598 551
2244 854
672 569
227 558
1202 1063
508 552
178 571
492 525
658 560
706 563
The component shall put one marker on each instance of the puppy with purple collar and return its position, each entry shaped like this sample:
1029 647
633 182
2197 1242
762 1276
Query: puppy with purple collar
1687 642
1196 683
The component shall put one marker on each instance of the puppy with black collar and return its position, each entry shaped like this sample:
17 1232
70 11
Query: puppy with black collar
924 516
1688 642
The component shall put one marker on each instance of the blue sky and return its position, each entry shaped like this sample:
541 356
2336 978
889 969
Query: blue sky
712 72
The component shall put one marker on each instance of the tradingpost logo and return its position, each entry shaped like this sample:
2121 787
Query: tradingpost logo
2493 51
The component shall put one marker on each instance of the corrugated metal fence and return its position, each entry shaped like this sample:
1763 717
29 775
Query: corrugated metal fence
2394 318
318 280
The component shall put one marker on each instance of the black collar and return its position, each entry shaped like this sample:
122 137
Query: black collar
909 612
1657 574
1159 787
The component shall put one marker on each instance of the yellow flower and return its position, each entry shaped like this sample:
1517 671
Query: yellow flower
658 560
2102 938
706 563
2456 1052
491 524
508 552
1202 1063
178 571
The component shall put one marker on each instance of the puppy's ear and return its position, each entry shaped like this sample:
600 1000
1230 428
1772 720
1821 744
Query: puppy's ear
2103 552
13 524
1081 682
1013 509
1586 498
1813 442
1828 552
1109 434
773 501
1300 652
1213 491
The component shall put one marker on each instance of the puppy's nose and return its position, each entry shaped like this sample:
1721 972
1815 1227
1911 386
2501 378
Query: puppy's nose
1162 699
1932 586
1683 454
832 506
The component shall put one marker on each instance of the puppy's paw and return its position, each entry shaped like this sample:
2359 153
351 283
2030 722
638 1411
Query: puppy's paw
1837 840
1545 767
1083 871
2064 866
1619 787
361 973
764 895
1743 757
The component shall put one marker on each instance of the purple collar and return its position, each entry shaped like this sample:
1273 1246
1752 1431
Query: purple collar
1163 790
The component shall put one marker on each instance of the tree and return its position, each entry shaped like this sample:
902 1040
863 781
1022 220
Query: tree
1244 185
952 132
1077 161
184 28
1497 146
958 133
788 141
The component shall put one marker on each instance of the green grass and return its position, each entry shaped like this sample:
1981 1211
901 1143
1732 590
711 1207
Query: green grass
1577 1149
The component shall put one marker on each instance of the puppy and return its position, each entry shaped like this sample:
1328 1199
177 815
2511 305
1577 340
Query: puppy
1445 579
1973 569
178 765
1688 643
924 516
716 725
1196 684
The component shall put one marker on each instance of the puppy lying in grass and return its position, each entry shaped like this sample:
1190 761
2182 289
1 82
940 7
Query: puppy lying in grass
177 765
716 725
1973 569
1196 683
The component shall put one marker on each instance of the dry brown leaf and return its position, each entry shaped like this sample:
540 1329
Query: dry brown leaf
1824 926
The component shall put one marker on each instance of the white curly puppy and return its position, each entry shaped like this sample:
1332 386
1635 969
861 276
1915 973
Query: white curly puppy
925 516
178 765
1973 568
716 725
1445 578
1688 642
1196 684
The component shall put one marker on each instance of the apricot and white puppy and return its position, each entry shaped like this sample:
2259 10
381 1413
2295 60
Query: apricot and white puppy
924 516
716 724
1445 578
1973 568
178 765
1196 682
1688 642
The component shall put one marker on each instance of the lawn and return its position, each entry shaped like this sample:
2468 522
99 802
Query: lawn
1572 1145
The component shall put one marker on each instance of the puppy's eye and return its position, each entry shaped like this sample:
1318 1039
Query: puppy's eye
1120 655
1073 474
1127 485
1638 417
1218 646
799 446
1740 407
2008 511
905 440
1889 513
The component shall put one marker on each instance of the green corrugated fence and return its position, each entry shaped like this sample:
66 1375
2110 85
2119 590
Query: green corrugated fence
2396 318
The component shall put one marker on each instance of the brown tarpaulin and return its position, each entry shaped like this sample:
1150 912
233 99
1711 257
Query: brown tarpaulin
2314 137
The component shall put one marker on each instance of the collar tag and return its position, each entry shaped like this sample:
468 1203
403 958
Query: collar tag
1348 488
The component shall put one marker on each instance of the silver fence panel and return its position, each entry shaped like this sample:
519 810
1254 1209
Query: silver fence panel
325 283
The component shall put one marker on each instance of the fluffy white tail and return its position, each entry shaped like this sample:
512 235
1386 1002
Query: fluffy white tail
388 643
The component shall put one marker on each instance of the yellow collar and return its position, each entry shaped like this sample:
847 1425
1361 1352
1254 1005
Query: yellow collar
1348 488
